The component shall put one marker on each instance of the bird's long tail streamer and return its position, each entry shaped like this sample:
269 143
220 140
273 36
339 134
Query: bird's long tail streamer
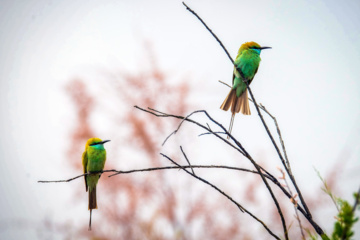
231 124
90 220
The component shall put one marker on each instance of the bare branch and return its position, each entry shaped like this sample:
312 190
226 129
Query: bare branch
292 199
213 34
174 132
187 160
226 84
117 172
71 179
159 114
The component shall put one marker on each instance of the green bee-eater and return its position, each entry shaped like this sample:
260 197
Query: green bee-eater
247 60
93 160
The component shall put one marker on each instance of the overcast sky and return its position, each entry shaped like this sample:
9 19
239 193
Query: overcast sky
309 80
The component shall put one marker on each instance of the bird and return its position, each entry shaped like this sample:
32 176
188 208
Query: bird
247 60
93 160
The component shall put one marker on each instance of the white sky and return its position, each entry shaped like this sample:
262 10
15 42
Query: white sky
309 80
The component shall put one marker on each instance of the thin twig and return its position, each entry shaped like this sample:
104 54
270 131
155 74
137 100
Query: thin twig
357 200
213 34
156 113
174 132
241 208
225 83
71 179
187 160
209 133
295 204
117 172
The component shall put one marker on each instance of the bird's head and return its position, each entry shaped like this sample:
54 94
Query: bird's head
95 143
252 46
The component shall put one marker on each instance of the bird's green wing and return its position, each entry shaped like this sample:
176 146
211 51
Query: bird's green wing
84 163
250 80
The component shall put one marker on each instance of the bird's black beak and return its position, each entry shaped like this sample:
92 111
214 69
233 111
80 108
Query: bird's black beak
97 143
262 48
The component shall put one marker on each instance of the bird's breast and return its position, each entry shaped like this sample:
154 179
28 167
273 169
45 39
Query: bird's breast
248 64
96 159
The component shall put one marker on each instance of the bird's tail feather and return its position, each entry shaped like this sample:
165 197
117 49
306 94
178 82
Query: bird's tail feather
237 104
92 198
90 220
92 202
229 100
231 124
243 103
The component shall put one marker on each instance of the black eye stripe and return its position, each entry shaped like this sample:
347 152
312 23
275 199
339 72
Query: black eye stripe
93 144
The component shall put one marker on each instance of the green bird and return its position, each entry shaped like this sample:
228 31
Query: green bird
93 160
247 60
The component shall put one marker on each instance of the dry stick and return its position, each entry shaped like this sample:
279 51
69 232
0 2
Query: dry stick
241 208
174 132
294 202
187 159
117 172
280 137
357 201
217 39
227 196
256 166
71 179
155 113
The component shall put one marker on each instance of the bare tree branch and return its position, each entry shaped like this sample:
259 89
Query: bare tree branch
213 34
357 200
187 160
117 172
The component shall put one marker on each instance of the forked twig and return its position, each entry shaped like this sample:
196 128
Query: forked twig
187 160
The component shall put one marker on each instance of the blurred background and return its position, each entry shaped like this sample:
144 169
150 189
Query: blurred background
71 70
